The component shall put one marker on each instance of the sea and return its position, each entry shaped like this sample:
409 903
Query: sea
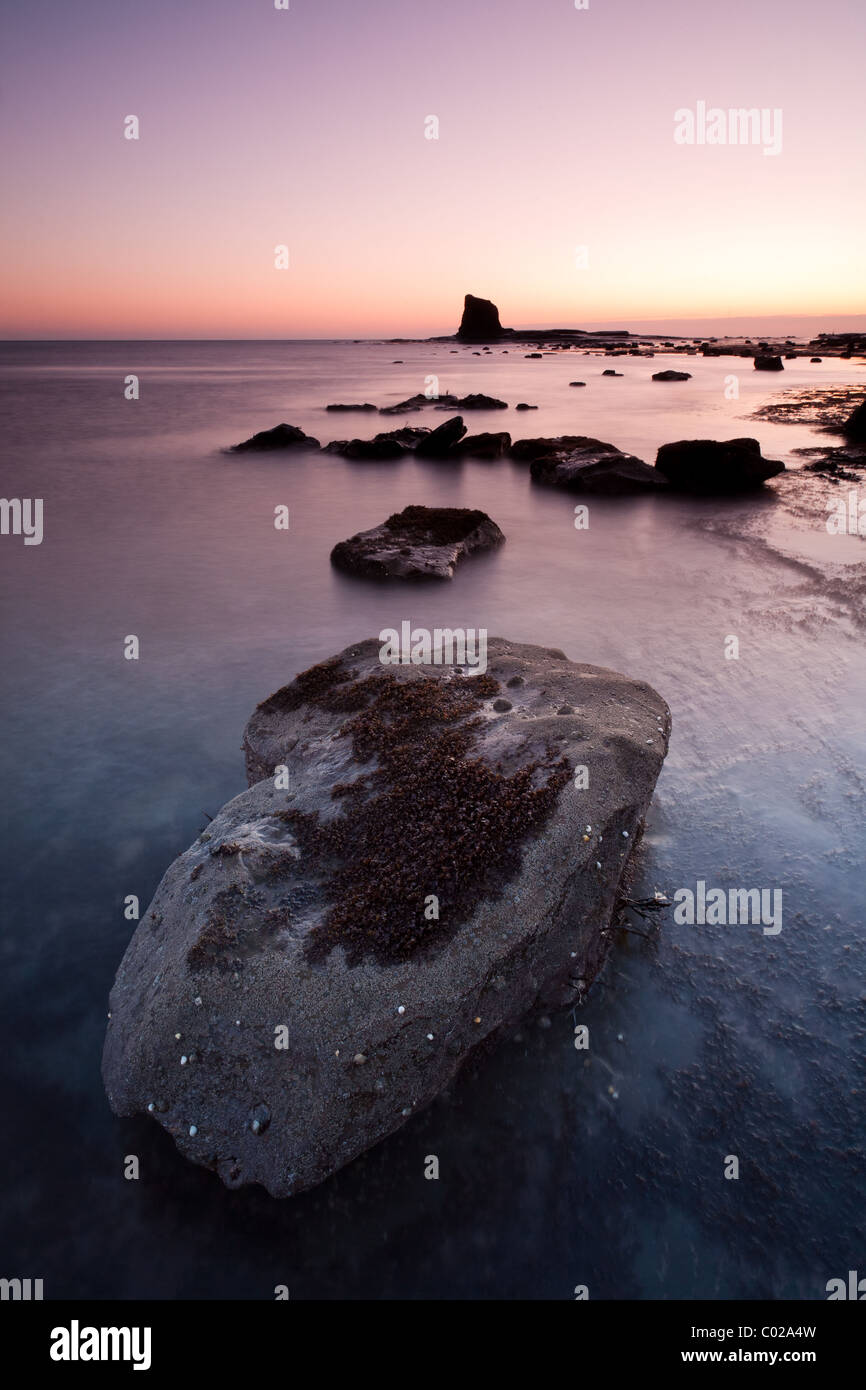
610 1167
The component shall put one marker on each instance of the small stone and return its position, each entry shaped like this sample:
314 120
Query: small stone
197 999
359 1059
151 1107
625 834
544 1021
401 1008
429 1037
477 1020
193 1131
177 1036
407 1110
184 1060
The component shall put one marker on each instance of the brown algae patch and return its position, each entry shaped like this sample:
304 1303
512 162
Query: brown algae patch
431 818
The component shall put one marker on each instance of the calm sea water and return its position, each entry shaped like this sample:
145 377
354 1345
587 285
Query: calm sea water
557 1167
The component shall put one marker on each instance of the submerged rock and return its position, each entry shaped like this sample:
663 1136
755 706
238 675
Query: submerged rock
590 465
280 437
417 543
366 406
716 466
424 882
672 376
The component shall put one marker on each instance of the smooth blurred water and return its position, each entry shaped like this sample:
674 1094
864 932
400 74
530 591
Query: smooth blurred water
732 1042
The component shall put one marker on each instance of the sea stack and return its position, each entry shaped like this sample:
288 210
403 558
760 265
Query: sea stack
480 321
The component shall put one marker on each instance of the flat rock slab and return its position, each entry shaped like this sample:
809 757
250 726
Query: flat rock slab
304 914
417 543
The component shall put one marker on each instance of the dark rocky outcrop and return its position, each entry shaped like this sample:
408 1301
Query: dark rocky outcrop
527 450
855 426
713 466
280 437
366 406
477 401
392 444
590 465
480 321
521 405
424 883
609 371
577 383
439 442
485 446
418 402
672 376
768 363
417 543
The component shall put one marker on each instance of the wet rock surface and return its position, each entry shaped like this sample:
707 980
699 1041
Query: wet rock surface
292 956
594 466
417 543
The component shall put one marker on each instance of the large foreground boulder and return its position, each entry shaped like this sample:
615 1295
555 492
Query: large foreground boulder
716 466
280 437
423 858
480 321
417 543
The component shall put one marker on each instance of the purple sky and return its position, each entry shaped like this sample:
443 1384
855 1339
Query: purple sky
306 128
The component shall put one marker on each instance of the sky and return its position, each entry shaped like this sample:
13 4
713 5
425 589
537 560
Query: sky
555 186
